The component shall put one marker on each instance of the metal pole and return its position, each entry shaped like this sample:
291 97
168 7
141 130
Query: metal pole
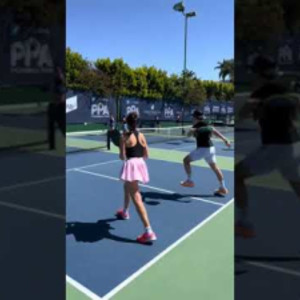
185 41
184 66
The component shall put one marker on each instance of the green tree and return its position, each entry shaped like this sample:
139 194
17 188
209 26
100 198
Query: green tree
156 83
291 15
121 76
196 93
75 65
226 69
116 78
228 91
82 74
173 88
141 87
210 87
94 81
257 20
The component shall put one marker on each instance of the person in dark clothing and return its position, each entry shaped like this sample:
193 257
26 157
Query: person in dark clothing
57 108
112 123
124 124
157 122
275 109
205 150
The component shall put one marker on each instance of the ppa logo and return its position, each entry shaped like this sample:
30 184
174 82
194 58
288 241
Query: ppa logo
100 110
216 109
169 112
132 108
207 109
30 56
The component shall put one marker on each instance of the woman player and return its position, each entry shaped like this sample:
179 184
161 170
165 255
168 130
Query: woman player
134 151
205 149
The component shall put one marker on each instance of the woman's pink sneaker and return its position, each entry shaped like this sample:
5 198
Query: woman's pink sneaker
222 192
146 237
122 215
187 183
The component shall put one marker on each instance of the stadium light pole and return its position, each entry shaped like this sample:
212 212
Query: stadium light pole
179 7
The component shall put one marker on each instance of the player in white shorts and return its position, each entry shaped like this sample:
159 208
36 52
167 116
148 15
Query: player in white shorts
275 108
205 150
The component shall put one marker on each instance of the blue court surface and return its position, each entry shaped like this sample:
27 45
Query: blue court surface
102 252
270 261
33 218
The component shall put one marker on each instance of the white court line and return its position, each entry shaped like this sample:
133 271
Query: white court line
29 183
95 165
193 145
82 289
184 147
162 254
273 268
32 183
147 186
37 182
33 210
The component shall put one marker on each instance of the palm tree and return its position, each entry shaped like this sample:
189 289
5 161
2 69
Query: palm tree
226 68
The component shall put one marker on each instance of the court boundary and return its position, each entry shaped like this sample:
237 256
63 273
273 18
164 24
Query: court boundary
147 186
119 287
270 267
144 268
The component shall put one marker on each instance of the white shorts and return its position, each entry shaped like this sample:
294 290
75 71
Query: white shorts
284 158
209 154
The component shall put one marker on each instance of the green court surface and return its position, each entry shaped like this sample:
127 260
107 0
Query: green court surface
87 127
200 267
23 95
103 126
225 163
73 294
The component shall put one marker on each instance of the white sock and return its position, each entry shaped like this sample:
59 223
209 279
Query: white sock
222 184
148 229
125 211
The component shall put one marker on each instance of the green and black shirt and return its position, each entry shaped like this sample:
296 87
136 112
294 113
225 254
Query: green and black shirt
276 114
203 134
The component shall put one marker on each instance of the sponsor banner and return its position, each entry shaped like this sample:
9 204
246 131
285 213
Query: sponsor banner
71 104
206 109
215 108
150 109
230 108
100 108
29 55
89 109
130 105
169 112
85 107
223 108
188 112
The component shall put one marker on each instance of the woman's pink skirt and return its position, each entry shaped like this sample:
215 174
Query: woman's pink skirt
135 169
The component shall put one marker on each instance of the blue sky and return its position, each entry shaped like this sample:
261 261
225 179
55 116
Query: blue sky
149 32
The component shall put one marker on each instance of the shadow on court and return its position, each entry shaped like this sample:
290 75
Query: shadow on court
95 232
148 197
240 260
267 258
241 272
